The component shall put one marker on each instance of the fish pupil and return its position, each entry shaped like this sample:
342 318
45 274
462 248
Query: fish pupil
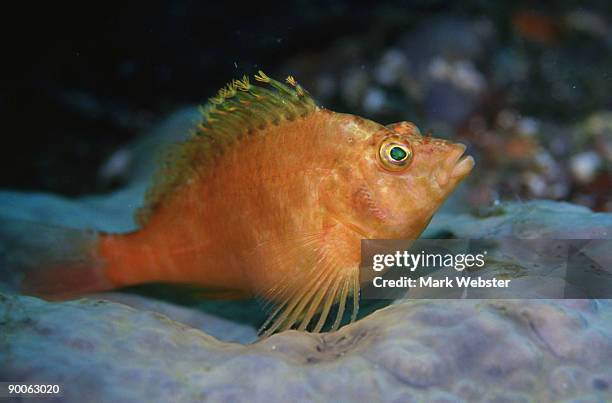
398 154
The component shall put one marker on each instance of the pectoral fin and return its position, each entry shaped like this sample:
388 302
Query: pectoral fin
329 284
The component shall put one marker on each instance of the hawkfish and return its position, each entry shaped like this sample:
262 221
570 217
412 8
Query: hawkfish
269 197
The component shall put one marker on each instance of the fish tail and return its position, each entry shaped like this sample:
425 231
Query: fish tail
49 261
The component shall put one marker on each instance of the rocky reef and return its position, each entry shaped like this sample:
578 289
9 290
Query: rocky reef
435 351
491 350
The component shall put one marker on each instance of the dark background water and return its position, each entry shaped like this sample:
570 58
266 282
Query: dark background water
527 85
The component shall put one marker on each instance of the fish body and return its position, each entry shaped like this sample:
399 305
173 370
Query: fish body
272 196
227 223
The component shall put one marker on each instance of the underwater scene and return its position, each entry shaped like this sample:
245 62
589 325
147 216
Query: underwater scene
308 201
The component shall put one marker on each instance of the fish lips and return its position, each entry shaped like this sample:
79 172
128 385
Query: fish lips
456 167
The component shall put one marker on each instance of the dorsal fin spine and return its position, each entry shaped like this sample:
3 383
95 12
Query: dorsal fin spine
266 109
239 108
255 111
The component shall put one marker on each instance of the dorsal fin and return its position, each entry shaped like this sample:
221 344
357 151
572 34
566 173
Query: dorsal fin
240 108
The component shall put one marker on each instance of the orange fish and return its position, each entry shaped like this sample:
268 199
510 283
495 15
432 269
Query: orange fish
271 197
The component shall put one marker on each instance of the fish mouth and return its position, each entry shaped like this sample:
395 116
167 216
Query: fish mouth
463 166
456 167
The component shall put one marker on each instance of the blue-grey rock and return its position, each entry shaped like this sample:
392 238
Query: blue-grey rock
444 351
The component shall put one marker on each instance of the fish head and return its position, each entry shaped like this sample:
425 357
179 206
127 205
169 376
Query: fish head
395 179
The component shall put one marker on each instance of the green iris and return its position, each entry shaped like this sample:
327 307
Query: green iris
398 153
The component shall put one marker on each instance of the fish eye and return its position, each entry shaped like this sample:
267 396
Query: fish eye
394 154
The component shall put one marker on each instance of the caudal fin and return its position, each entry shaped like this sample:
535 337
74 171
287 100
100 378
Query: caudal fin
49 261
